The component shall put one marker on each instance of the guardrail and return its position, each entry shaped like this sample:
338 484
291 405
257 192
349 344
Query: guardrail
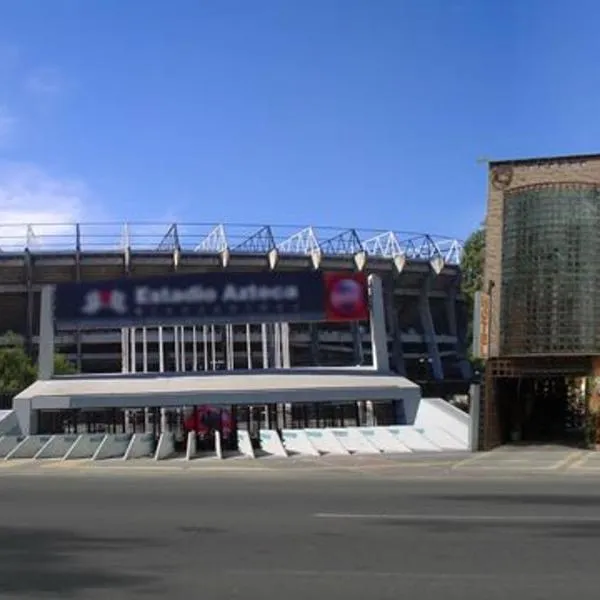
213 238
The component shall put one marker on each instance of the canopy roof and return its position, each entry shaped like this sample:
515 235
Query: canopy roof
222 387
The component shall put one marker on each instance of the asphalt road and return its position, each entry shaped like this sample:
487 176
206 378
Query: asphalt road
349 537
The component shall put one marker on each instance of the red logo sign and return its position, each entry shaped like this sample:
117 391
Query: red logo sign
346 297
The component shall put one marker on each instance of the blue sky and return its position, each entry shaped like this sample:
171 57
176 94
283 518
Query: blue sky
344 112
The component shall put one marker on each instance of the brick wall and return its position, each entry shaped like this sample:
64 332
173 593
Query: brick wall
507 175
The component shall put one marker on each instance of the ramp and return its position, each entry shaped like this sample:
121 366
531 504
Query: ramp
326 442
384 440
29 447
8 443
295 441
353 440
56 447
414 438
112 446
271 443
85 446
9 423
245 447
443 423
165 447
140 446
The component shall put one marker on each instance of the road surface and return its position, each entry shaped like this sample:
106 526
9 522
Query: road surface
348 536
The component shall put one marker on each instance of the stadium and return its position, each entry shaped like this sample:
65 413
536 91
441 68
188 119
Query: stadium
426 315
420 311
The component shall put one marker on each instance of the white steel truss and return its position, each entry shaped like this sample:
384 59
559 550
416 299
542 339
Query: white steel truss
222 239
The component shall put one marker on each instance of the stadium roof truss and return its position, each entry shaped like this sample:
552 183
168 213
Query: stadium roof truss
228 240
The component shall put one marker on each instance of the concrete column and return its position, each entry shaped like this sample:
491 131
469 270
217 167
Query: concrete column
394 329
265 345
182 358
377 318
124 350
132 345
205 346
46 349
428 328
475 416
194 349
249 345
161 350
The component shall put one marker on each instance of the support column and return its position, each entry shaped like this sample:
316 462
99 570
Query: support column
161 350
124 350
428 328
398 364
475 416
265 345
285 345
46 348
205 346
194 349
176 348
132 344
377 318
249 346
182 357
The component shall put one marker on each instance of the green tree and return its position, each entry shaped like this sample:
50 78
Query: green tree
18 371
62 365
472 265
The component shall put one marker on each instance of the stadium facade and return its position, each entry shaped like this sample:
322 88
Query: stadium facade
426 316
542 269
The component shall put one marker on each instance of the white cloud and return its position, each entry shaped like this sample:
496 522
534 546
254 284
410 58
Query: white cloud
44 82
34 201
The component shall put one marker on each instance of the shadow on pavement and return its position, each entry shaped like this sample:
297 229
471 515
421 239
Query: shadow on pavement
61 563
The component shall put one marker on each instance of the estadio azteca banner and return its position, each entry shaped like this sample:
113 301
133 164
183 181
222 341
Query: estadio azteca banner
213 298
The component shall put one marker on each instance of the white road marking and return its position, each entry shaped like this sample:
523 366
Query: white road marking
416 518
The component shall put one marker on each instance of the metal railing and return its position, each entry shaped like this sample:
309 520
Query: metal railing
213 238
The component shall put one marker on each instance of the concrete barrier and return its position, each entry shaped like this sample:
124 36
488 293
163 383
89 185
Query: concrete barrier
191 446
437 415
218 445
29 447
271 443
9 423
325 441
8 443
295 441
245 444
56 447
414 438
165 447
353 440
140 446
384 440
112 446
85 446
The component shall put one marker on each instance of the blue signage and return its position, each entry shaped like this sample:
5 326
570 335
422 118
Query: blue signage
211 298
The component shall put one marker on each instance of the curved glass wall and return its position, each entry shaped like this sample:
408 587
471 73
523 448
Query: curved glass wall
551 270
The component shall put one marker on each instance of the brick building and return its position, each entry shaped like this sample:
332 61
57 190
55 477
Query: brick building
542 244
